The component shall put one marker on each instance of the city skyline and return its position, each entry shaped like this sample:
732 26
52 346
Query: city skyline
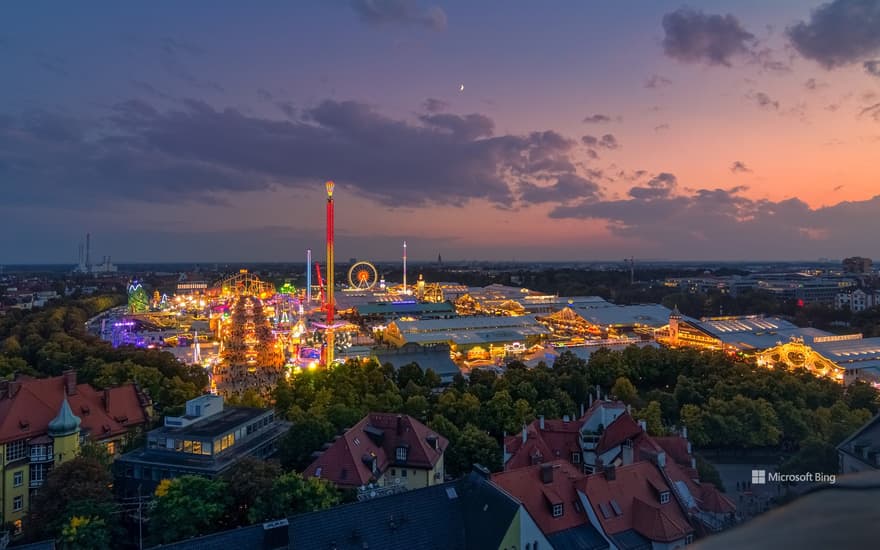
494 131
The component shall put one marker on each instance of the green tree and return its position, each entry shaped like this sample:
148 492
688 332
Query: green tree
417 406
692 416
625 391
78 487
473 446
291 494
85 533
307 435
187 506
814 455
247 480
653 419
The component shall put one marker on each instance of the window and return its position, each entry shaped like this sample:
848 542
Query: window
38 474
557 510
393 472
17 525
575 458
401 454
17 478
18 503
404 472
16 450
664 497
111 448
197 447
689 539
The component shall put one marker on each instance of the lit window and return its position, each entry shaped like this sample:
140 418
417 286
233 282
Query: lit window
111 447
17 525
17 478
18 503
557 510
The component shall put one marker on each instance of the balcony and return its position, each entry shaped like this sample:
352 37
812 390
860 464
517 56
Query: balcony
42 454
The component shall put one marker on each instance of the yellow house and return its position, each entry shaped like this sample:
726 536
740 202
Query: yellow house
44 421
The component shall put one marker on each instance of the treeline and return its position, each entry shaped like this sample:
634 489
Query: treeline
76 505
47 341
725 403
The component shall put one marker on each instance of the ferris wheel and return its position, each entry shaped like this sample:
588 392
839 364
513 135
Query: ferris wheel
363 275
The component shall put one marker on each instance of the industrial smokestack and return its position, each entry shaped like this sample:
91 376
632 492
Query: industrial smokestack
88 251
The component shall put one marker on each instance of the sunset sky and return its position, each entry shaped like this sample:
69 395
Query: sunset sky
586 130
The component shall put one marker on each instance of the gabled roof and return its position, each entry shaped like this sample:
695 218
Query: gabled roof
713 500
635 491
377 435
622 428
558 439
527 486
654 522
37 401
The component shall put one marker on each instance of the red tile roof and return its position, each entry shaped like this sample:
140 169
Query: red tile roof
677 449
526 485
635 491
344 464
622 428
27 405
712 500
558 439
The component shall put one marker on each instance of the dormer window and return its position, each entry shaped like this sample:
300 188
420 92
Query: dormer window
401 454
557 510
575 458
664 497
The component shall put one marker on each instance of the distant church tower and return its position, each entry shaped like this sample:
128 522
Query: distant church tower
64 431
674 320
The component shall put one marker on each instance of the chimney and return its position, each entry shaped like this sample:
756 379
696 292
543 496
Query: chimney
107 400
399 425
661 459
525 436
627 453
600 465
276 534
684 432
598 394
610 472
546 473
69 379
541 422
582 411
566 418
591 398
693 463
4 388
643 424
629 409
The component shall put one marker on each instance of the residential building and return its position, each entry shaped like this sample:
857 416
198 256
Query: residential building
605 434
647 504
469 514
208 440
383 451
861 451
858 300
43 423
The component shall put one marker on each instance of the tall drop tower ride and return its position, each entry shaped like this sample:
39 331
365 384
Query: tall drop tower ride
330 339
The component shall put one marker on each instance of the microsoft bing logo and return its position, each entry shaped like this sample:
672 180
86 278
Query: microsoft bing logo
759 477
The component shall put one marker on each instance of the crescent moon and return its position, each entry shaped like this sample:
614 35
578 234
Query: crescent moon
461 88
